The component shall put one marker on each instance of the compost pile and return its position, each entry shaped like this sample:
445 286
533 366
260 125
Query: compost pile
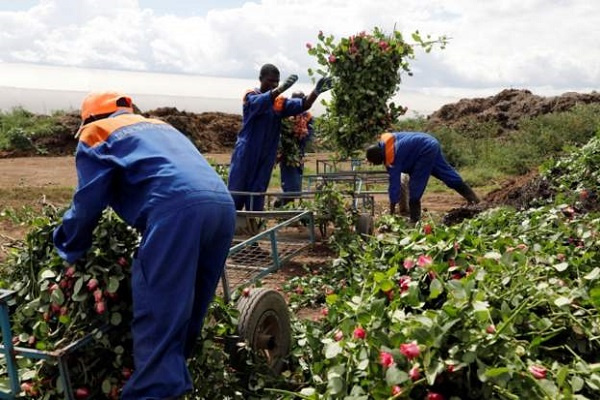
506 108
211 132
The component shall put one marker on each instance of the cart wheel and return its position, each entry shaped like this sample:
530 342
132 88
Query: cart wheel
264 323
364 225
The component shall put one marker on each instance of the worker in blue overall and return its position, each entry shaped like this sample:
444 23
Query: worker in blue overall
154 178
255 150
292 150
419 155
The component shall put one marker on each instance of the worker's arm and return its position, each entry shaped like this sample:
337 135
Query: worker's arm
73 237
256 103
395 187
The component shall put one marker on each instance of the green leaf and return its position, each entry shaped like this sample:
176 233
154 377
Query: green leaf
561 375
106 386
363 365
562 301
378 277
30 374
57 296
332 350
494 372
47 274
395 376
435 289
335 385
493 255
78 286
331 299
113 284
593 275
387 285
561 267
432 371
577 383
116 318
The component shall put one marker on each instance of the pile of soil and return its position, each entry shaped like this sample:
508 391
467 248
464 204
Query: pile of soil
506 108
211 132
520 192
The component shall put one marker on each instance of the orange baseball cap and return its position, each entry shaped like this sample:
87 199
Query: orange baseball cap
99 103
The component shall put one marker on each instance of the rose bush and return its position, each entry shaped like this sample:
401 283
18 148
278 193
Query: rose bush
58 304
503 306
366 68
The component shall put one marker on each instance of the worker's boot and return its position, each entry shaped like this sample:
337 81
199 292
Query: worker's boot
465 191
415 210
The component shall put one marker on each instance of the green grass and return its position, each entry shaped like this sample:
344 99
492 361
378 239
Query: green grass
20 128
479 148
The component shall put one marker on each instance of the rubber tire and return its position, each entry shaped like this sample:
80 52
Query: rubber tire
364 225
266 309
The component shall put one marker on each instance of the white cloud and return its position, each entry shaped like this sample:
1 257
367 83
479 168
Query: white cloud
499 43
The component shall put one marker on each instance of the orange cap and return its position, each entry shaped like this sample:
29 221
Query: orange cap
99 103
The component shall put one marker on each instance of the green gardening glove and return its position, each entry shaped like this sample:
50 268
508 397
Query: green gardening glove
286 84
323 84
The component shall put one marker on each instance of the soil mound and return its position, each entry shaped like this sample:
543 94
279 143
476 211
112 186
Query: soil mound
506 108
211 132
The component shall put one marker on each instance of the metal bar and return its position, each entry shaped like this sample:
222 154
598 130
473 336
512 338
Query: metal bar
311 226
7 348
65 378
266 233
274 253
225 282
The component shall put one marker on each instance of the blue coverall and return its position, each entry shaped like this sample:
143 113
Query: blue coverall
158 182
419 155
255 150
291 175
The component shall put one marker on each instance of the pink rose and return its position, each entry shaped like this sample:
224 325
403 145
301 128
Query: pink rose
386 359
360 333
404 283
414 373
409 263
537 371
410 350
434 396
424 261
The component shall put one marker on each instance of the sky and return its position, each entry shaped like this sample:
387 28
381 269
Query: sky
547 46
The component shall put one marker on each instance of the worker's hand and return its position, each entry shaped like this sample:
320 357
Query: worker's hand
286 84
392 208
323 85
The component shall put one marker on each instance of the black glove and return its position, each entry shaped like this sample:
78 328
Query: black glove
286 84
323 84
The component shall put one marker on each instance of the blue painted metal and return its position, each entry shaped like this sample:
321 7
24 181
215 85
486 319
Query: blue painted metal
7 346
10 352
271 234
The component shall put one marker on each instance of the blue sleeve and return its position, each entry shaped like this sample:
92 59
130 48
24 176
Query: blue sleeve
257 103
395 187
73 237
292 107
